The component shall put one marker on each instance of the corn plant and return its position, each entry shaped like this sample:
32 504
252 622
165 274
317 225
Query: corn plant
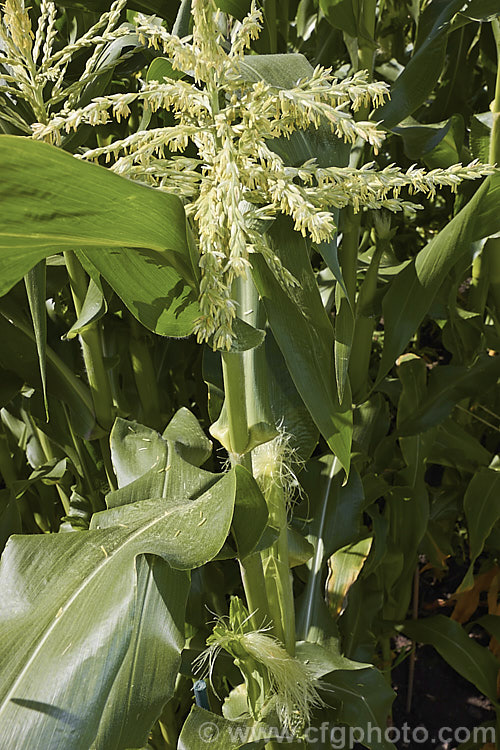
200 233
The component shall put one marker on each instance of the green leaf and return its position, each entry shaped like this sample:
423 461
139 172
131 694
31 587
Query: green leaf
63 633
363 699
246 336
204 730
236 8
348 16
149 465
423 70
446 387
282 71
480 134
73 205
182 19
324 660
251 513
135 450
437 144
454 446
305 336
481 10
190 441
161 68
154 292
288 409
413 290
146 678
474 662
482 511
18 354
93 308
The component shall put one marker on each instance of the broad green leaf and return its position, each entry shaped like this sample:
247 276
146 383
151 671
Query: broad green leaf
480 133
162 472
454 446
146 678
282 71
447 386
288 409
236 8
344 567
305 336
35 281
348 16
474 662
149 465
246 337
73 205
482 511
437 144
161 68
190 440
251 513
135 449
481 10
182 19
154 292
413 290
364 701
204 730
65 635
423 70
336 513
323 660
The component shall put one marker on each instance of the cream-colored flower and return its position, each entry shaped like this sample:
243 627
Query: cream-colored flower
237 179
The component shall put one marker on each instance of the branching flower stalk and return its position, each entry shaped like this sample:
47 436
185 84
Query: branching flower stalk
231 119
34 71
